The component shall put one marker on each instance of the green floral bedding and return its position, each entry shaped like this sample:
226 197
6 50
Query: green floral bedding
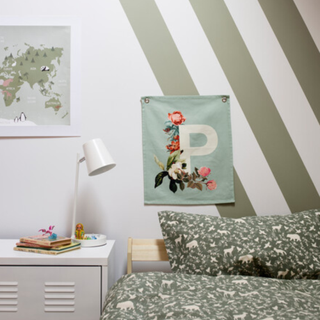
157 295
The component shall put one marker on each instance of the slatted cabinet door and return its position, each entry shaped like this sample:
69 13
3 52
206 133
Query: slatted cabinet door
50 293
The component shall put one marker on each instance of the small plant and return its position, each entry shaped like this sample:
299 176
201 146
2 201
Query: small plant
49 231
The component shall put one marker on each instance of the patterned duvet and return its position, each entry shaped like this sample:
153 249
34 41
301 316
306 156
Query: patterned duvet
156 295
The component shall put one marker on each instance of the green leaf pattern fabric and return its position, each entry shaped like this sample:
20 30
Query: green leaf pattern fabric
157 296
286 247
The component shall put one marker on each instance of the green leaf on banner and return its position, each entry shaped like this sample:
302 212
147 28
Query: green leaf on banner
159 178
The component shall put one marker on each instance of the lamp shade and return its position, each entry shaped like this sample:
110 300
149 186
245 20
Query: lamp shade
98 159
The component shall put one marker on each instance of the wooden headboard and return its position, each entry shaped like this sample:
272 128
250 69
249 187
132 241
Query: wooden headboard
145 250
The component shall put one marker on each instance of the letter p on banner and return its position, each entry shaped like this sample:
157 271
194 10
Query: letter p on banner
187 150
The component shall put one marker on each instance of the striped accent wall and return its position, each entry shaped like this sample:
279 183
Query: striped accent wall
265 55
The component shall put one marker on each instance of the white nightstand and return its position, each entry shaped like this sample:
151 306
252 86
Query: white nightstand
68 286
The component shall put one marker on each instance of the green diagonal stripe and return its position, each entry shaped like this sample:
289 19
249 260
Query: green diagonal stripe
172 75
257 105
159 47
298 46
242 207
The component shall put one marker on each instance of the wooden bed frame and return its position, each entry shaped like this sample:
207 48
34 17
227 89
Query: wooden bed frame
145 250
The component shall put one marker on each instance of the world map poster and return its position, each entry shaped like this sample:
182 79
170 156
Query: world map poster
35 77
187 150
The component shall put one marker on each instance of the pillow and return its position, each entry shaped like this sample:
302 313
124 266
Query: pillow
270 246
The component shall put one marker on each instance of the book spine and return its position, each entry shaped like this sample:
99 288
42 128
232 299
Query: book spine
34 245
44 242
34 250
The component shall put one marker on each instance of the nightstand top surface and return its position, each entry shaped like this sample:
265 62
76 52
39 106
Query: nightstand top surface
84 256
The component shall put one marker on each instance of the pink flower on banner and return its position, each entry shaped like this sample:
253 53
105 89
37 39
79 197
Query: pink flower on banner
211 185
176 118
204 171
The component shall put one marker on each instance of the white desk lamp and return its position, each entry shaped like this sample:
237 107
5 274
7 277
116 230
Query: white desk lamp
98 160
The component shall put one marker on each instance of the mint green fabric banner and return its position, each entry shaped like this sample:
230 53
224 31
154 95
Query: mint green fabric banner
187 150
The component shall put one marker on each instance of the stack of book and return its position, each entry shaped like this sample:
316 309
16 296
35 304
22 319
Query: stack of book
42 244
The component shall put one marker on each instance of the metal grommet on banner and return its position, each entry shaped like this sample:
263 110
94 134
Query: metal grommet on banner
146 100
224 99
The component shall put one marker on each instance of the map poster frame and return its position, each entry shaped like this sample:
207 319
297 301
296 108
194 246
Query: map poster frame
53 103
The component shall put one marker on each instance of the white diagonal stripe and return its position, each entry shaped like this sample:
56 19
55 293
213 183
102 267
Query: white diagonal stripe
310 12
281 82
209 78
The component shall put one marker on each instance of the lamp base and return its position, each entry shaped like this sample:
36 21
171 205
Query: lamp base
95 241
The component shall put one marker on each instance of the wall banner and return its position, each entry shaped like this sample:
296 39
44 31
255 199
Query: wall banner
187 150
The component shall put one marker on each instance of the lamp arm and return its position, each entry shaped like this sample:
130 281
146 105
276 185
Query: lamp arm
75 196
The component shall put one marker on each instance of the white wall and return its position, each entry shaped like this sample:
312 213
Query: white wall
37 174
